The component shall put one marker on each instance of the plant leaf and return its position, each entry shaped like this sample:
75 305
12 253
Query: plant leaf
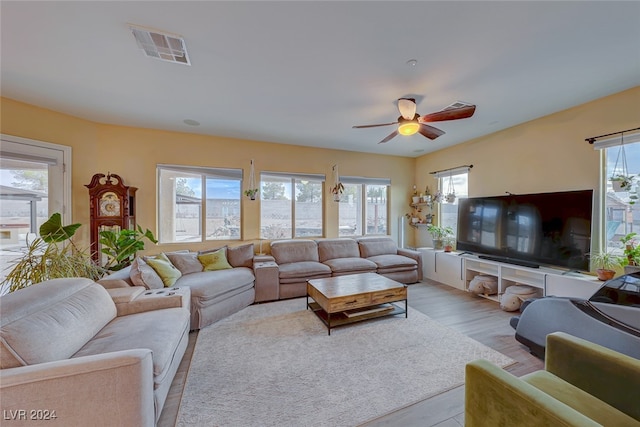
52 231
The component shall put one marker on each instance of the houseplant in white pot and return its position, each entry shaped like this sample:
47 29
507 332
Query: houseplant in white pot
439 234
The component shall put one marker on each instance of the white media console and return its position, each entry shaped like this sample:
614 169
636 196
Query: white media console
457 271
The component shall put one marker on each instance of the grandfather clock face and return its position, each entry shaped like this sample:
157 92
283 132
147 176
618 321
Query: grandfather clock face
110 204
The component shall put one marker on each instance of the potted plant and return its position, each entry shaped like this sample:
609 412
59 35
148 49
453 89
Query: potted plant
53 255
438 234
622 182
121 246
631 260
415 198
605 263
448 243
426 198
337 190
251 193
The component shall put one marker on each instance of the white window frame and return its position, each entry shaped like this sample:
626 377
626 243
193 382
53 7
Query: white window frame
364 182
205 173
59 197
600 215
293 178
443 184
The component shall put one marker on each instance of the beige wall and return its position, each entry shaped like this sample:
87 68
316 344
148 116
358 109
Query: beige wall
547 154
543 155
133 154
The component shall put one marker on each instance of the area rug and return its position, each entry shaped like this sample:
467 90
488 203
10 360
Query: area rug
274 365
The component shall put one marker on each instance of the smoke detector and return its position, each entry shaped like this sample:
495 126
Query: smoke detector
161 45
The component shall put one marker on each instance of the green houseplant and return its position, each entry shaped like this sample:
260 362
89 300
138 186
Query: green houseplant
53 255
606 263
121 246
251 193
631 260
439 234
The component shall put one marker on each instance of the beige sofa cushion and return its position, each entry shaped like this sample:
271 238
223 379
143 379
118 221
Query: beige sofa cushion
289 251
161 331
187 263
143 275
337 248
372 246
36 320
241 256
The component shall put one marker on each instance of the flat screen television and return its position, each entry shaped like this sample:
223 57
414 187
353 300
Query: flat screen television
551 229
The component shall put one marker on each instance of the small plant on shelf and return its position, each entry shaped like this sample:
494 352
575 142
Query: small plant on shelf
337 190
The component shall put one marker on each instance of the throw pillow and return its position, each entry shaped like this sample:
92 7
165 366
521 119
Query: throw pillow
142 274
167 271
241 256
187 263
208 251
215 260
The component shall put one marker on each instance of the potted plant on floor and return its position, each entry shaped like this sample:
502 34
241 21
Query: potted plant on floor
53 255
438 234
606 263
121 246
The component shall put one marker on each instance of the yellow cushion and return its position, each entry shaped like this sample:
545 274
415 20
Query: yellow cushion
215 260
167 272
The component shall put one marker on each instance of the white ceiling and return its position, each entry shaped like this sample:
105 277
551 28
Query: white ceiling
304 72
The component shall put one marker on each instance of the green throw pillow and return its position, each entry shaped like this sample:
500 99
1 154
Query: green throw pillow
215 260
167 272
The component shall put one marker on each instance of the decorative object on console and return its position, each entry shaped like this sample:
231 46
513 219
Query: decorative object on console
252 190
438 234
411 122
111 207
337 188
605 263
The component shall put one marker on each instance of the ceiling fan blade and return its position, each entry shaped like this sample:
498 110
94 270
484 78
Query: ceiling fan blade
429 131
449 114
407 107
374 126
389 137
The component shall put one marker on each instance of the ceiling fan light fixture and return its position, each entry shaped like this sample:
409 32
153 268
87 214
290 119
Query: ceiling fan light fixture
408 128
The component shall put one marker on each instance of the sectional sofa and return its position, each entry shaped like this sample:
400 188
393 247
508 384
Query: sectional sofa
300 260
67 357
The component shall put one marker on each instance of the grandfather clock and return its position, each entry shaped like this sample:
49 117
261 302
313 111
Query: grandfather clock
112 207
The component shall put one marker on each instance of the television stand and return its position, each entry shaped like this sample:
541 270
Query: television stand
508 260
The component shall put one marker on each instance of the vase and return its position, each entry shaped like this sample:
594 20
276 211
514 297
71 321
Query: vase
416 199
437 244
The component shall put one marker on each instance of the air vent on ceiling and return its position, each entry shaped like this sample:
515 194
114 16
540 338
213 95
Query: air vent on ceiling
457 104
159 45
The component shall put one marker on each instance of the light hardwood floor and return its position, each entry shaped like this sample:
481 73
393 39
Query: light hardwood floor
478 318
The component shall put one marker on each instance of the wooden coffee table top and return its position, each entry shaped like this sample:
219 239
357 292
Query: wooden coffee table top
353 284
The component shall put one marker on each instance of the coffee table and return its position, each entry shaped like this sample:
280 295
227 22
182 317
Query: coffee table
342 300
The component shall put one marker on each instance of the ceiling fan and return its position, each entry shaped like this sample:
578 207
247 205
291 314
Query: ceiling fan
411 122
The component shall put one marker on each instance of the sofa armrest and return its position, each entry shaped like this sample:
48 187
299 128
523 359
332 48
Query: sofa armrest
413 255
263 258
606 374
117 279
494 397
267 285
107 389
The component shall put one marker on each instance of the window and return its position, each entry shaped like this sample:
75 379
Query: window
458 181
362 208
621 213
35 185
291 205
197 204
